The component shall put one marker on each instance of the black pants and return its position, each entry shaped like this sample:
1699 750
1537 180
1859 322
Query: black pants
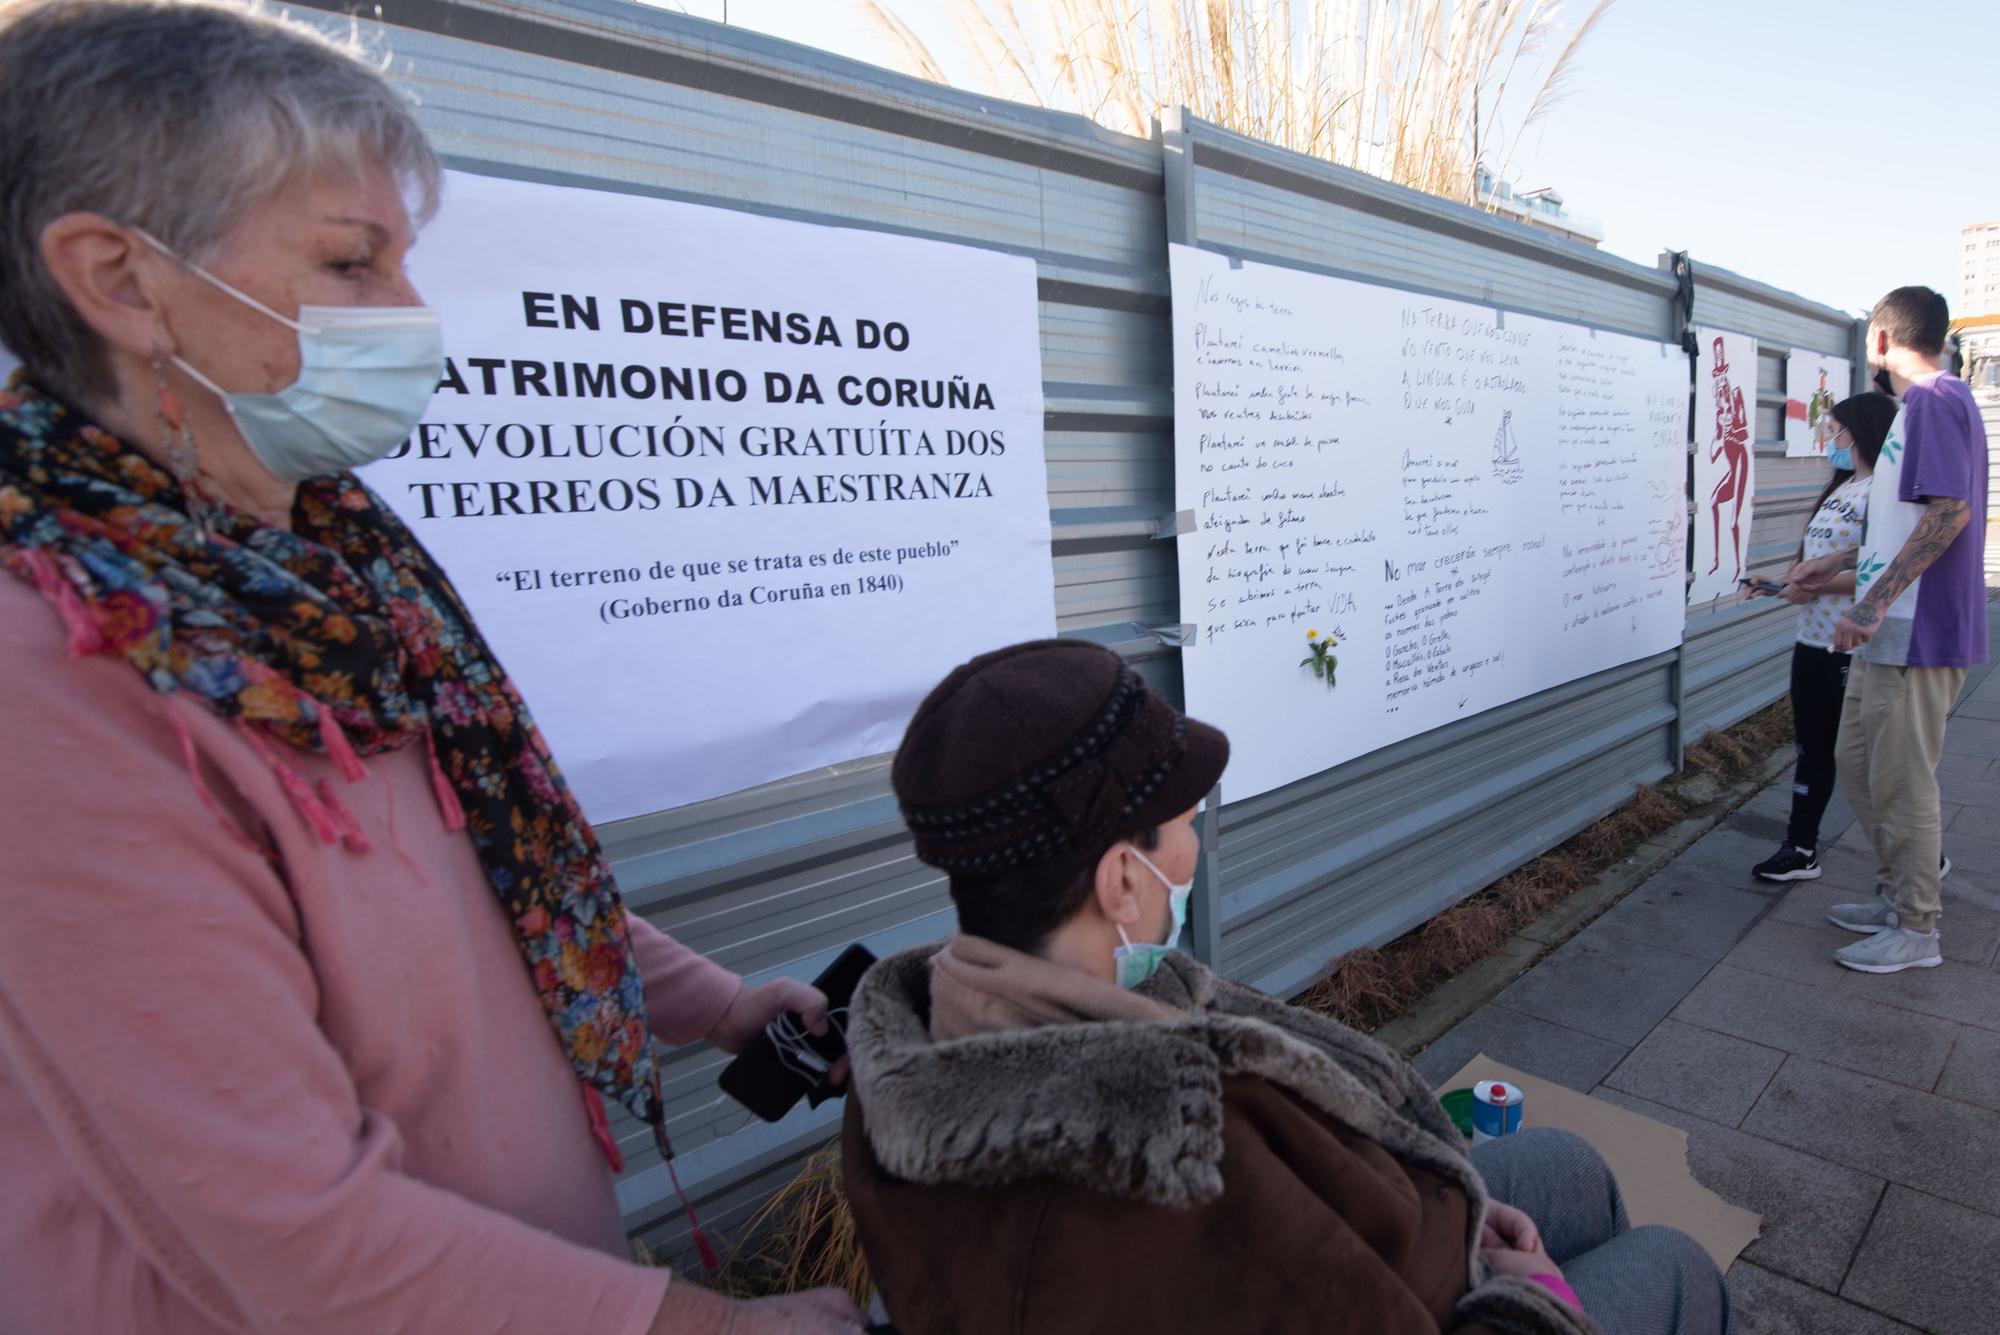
1819 680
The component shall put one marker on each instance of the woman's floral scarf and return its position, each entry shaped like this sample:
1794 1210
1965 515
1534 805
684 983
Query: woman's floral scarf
342 637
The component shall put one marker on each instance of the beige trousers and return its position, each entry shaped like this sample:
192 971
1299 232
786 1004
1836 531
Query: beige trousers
1891 735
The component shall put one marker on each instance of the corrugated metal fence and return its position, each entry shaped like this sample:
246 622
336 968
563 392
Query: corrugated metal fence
776 880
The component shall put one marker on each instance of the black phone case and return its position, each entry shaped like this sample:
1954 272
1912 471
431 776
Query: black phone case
760 1081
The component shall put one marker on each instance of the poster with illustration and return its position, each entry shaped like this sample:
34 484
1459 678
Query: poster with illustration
1814 382
1725 473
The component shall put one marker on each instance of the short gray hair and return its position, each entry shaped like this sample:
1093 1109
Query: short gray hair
175 117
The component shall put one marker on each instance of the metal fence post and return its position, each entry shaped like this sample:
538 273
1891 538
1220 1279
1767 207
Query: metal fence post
1205 909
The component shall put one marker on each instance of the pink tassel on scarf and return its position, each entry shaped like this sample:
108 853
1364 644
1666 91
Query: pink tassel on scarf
84 636
304 800
338 748
350 829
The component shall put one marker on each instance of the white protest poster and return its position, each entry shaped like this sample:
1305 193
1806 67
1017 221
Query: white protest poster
1814 382
1725 462
1408 510
727 493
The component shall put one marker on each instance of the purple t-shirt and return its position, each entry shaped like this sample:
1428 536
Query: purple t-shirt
1935 450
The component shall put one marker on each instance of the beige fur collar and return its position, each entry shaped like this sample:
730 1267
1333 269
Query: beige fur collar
1130 1109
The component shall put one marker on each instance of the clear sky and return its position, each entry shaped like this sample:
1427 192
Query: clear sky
1830 147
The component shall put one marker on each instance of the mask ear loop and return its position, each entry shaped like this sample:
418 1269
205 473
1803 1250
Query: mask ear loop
183 457
211 279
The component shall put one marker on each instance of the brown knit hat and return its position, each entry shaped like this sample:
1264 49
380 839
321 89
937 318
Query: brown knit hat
1044 755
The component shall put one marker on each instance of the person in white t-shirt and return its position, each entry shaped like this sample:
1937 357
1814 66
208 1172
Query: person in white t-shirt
1819 676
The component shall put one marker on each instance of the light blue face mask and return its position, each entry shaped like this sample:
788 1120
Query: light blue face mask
365 375
1137 963
1841 457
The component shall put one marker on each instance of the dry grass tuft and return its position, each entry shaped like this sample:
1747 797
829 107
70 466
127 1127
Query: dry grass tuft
1741 751
1465 933
1362 983
802 1238
1415 91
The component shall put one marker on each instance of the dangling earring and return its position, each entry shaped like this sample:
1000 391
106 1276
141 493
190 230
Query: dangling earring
182 457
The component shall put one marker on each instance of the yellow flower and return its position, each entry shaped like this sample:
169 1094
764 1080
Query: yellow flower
1312 634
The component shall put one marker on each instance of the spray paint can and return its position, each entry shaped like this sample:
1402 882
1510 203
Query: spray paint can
1496 1110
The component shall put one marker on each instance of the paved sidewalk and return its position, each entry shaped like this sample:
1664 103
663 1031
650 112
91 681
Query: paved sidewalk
1859 1114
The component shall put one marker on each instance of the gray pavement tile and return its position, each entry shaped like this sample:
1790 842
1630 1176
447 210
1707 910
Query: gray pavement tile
1606 985
1972 1072
1971 928
1764 818
1800 951
1724 856
1767 1304
1814 1211
1839 816
1951 991
1571 1059
1982 795
1977 704
1905 1135
1930 1262
1773 799
1974 820
1690 915
1972 737
1851 1031
1956 769
1698 1071
1974 852
1850 862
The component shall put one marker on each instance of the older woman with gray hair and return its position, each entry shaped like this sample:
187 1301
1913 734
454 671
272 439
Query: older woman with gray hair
314 980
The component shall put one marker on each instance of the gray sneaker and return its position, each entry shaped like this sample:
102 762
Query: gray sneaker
1868 918
1892 951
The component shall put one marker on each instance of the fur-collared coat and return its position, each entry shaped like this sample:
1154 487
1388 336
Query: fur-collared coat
1243 1167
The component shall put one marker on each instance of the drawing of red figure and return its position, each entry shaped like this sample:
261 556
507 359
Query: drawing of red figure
1732 444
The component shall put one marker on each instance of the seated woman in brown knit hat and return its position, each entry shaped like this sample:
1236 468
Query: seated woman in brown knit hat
1059 1123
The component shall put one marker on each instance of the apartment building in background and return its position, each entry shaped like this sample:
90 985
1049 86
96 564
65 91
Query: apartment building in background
1975 309
1978 271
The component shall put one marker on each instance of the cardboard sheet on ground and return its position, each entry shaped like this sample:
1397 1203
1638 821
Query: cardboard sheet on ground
1648 1158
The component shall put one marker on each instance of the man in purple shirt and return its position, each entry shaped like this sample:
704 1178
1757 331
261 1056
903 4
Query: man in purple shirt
1918 622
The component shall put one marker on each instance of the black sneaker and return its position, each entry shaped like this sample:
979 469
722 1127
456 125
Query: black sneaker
1789 863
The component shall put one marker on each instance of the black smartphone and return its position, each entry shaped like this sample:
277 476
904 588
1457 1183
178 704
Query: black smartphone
768 1079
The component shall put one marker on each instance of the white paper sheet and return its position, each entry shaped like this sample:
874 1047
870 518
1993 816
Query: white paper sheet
1814 382
1474 506
709 586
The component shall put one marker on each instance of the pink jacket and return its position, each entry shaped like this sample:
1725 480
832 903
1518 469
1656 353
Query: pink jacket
311 1094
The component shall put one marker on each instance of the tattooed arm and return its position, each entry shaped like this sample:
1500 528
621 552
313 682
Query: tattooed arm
1945 517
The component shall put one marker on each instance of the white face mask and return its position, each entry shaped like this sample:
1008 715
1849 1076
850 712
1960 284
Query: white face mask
1137 963
365 375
